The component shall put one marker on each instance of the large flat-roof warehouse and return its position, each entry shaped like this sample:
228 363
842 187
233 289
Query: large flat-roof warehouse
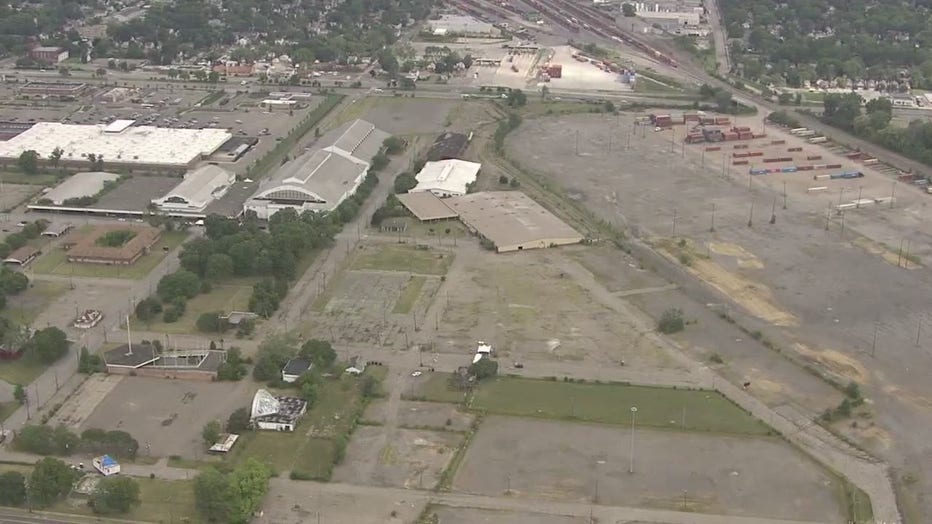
119 143
512 221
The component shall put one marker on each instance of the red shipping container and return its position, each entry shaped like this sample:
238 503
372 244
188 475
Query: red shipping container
731 136
833 166
756 153
804 168
555 71
722 120
794 149
741 146
745 136
740 162
777 142
741 129
760 135
713 149
814 157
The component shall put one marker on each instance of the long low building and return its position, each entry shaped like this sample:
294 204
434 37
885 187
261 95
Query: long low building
511 221
321 179
89 248
198 189
119 143
77 186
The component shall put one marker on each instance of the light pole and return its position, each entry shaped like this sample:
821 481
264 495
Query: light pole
634 411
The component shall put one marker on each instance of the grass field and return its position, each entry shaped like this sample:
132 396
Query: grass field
403 258
434 387
224 298
16 177
55 262
7 409
649 85
22 371
25 307
611 404
409 295
161 501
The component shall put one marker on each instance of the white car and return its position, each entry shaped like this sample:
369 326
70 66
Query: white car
416 374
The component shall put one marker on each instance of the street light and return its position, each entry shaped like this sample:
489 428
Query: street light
634 411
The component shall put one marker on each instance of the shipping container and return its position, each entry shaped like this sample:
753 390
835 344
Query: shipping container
777 142
778 159
759 171
794 149
871 161
807 132
818 140
745 135
722 120
791 169
741 146
804 168
833 166
756 153
853 155
741 129
846 175
817 189
731 136
716 148
740 162
798 130
814 157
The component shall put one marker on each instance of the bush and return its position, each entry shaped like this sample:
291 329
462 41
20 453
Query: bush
210 322
115 495
503 180
404 183
671 321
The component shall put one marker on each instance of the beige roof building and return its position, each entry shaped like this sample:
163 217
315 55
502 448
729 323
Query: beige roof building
512 221
84 246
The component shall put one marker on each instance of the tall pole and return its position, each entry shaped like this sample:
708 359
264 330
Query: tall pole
874 342
712 224
857 205
784 195
773 211
892 193
674 223
751 215
634 411
918 330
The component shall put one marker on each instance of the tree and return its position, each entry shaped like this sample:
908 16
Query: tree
210 322
19 394
211 495
671 321
249 483
213 77
211 432
404 183
51 479
628 10
484 368
100 72
49 344
273 353
388 62
393 145
219 266
12 488
723 100
320 352
55 156
64 71
28 162
238 421
516 98
180 284
115 495
148 308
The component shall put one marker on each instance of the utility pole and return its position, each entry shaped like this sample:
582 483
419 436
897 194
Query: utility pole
751 215
892 194
784 195
674 223
712 224
918 330
874 342
773 211
577 142
634 411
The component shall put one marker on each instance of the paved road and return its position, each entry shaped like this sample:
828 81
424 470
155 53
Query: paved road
314 499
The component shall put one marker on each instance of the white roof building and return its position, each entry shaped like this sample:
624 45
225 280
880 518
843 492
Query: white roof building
460 24
321 179
118 142
198 189
446 178
79 185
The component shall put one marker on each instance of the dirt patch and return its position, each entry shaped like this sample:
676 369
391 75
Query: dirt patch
412 459
451 515
889 256
421 415
755 297
587 463
835 362
745 258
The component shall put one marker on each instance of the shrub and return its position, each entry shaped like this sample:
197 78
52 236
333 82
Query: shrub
671 321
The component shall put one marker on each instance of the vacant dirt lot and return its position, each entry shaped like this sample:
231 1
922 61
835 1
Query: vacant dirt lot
727 475
854 307
414 459
450 515
421 415
168 415
13 194
527 307
291 502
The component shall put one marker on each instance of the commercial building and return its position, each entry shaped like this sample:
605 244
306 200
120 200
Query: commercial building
198 189
460 25
446 178
321 179
59 89
57 229
448 145
145 360
77 186
86 248
276 413
22 256
48 54
119 144
426 206
511 221
294 368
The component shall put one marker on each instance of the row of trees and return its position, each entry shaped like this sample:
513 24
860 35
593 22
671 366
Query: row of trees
875 124
52 480
232 497
60 441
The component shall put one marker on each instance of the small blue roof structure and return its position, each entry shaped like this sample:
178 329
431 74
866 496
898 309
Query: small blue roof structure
107 461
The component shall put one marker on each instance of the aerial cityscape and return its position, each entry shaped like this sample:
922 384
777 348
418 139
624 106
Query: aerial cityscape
466 261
